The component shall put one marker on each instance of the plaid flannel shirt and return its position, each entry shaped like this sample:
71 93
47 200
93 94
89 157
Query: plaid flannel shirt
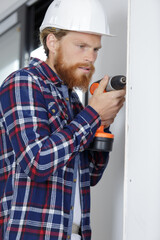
40 141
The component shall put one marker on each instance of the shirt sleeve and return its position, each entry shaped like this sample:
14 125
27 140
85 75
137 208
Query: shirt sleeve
98 163
38 150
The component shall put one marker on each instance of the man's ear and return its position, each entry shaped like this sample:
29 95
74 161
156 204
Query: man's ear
51 42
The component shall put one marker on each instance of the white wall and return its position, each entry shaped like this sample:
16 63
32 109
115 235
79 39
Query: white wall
10 62
8 6
142 174
107 196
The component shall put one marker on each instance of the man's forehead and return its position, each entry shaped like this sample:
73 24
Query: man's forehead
86 38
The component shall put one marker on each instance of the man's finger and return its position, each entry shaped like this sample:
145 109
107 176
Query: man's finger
102 85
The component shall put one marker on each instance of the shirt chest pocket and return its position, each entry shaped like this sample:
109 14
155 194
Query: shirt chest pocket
58 116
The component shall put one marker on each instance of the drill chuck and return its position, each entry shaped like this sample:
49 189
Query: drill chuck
116 83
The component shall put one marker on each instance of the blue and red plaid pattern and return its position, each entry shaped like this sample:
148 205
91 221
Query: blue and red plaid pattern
39 141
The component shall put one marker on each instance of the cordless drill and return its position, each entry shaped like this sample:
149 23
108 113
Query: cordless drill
104 141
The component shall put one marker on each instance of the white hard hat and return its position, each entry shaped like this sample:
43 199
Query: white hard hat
77 15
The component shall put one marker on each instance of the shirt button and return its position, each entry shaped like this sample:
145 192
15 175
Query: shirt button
72 207
68 237
74 180
67 99
53 110
66 116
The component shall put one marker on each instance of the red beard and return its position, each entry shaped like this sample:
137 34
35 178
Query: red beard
69 76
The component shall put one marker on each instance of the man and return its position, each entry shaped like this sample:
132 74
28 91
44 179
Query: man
46 169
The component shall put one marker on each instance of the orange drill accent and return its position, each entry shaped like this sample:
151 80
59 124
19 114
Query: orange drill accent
100 133
93 87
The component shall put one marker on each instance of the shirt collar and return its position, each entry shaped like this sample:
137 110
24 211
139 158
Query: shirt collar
46 71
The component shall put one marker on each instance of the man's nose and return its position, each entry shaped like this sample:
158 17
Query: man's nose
91 56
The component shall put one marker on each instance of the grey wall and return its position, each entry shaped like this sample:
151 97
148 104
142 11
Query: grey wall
107 196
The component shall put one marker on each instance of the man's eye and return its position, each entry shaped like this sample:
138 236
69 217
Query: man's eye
82 46
96 49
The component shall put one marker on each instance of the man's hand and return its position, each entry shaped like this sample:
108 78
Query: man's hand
107 104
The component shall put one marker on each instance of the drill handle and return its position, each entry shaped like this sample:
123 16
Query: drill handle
103 141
